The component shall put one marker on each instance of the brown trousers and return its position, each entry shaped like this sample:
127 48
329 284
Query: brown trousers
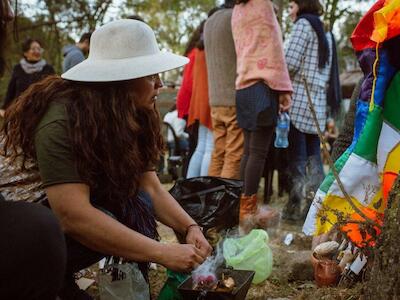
228 143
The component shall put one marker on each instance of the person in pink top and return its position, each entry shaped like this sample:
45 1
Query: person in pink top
263 89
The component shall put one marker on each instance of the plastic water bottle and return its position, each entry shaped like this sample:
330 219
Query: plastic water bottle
282 131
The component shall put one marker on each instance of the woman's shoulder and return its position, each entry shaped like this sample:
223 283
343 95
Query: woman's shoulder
17 68
302 31
48 68
56 115
303 24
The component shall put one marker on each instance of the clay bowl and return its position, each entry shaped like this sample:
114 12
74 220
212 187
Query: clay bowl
326 271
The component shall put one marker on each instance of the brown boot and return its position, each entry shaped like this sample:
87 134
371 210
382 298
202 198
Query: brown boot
248 207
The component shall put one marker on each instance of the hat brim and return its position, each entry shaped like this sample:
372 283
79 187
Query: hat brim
105 70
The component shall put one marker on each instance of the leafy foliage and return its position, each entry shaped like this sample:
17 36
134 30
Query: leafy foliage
172 20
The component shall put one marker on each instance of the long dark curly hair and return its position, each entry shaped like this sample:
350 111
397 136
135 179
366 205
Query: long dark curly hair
113 140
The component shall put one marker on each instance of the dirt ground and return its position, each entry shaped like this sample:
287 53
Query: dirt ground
292 275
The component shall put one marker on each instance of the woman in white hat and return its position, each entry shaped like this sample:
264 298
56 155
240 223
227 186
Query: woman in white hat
94 138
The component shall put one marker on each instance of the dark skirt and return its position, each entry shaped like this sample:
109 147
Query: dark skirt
256 106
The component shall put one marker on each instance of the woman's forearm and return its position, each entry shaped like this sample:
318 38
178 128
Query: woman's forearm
168 211
100 232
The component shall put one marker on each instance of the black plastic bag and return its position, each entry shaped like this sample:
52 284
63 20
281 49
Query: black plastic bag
212 202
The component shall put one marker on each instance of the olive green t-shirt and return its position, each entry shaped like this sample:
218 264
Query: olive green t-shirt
53 148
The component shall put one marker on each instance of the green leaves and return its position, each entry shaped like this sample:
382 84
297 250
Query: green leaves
172 20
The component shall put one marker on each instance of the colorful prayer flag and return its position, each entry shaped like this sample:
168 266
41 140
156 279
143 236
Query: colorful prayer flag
369 167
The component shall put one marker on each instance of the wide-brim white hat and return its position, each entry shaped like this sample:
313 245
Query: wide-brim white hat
123 50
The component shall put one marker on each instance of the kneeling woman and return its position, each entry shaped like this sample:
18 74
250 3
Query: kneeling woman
94 136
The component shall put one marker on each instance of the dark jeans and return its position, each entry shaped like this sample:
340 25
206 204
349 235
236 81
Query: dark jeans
78 257
306 169
32 252
256 146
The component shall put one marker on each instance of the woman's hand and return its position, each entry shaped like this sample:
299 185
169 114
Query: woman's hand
181 258
195 237
285 102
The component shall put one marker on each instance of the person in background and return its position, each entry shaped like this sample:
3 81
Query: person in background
308 53
98 175
75 54
263 89
277 162
334 92
31 68
185 91
199 111
331 133
32 250
221 67
185 94
178 125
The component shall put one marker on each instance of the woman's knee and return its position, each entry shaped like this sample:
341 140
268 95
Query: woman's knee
34 227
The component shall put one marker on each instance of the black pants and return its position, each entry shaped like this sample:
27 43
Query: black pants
32 252
277 159
256 146
78 257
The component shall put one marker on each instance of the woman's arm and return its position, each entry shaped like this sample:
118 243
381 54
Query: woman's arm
170 213
179 126
100 232
296 46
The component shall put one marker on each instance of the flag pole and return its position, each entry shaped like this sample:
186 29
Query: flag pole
330 161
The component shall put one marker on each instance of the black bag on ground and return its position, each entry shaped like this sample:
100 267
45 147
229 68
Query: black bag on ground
212 202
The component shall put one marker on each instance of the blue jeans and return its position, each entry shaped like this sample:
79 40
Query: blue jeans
306 168
201 157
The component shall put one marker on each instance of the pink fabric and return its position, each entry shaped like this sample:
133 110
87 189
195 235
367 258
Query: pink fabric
259 46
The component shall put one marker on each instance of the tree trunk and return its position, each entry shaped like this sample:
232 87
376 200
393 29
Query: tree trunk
281 8
384 279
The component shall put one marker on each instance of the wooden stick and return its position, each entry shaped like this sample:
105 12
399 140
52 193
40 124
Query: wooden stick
330 161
